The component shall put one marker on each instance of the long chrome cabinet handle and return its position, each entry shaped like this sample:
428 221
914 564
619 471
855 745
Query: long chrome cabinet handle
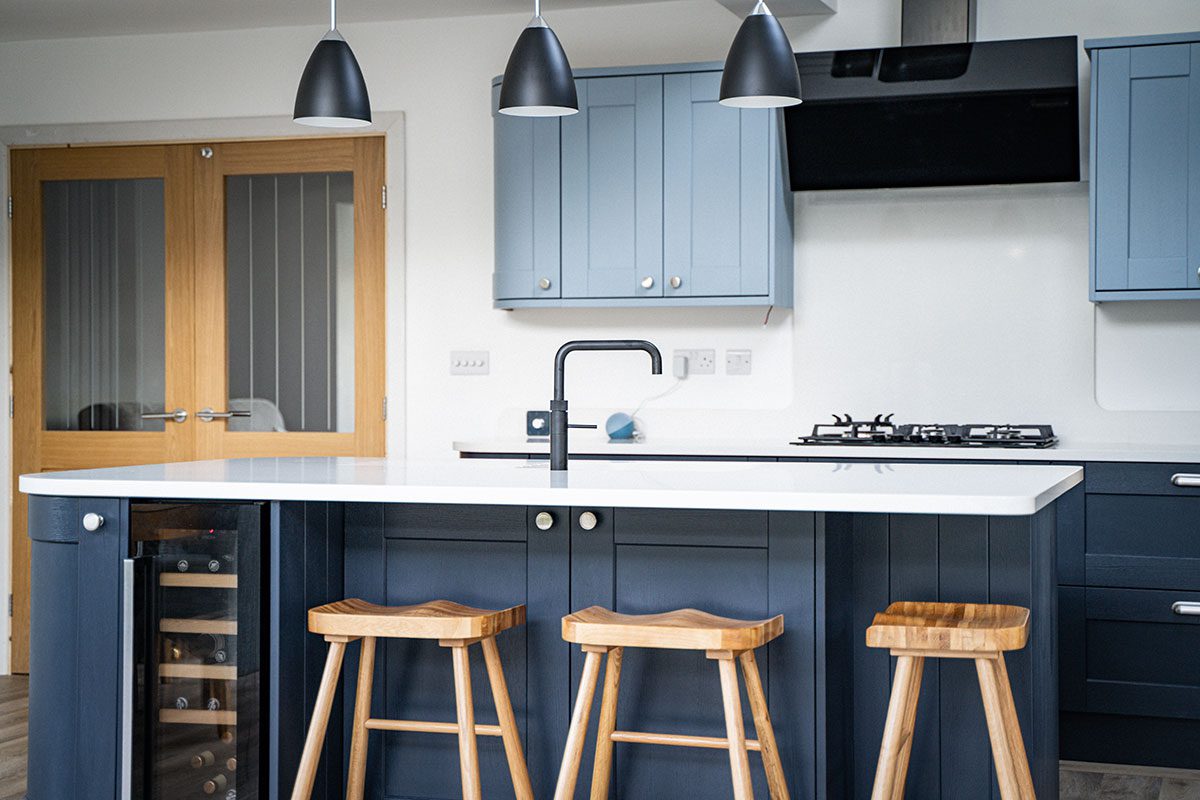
208 415
178 415
1185 609
127 677
1185 480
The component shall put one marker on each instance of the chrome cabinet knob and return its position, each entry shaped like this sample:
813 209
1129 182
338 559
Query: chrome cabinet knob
676 281
588 521
544 520
92 521
543 283
647 282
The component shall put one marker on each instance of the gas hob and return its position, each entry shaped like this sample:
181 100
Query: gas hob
882 432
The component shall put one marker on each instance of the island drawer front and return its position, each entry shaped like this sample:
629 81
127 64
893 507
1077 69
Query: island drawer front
1113 478
1134 654
478 523
1148 542
690 527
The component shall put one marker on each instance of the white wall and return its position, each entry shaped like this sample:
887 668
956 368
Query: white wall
934 303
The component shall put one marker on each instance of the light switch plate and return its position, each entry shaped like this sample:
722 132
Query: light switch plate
737 362
469 362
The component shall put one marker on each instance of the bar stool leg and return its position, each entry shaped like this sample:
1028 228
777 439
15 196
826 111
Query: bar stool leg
739 758
468 751
568 773
1004 730
892 770
776 782
362 712
311 755
522 788
602 765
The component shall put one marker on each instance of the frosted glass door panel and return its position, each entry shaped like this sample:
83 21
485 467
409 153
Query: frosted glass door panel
104 270
290 301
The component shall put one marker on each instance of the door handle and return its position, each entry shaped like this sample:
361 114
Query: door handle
178 415
126 677
1185 481
208 415
1185 609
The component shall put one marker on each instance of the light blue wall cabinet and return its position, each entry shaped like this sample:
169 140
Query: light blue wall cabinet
612 187
1145 168
661 197
527 205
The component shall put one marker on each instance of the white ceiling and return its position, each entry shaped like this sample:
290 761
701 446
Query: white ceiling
61 19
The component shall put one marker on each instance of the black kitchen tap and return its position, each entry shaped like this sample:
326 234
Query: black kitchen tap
558 406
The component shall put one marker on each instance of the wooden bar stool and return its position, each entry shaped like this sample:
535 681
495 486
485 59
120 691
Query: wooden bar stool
601 632
454 626
916 631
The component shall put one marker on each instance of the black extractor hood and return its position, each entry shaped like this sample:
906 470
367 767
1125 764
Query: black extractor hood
937 115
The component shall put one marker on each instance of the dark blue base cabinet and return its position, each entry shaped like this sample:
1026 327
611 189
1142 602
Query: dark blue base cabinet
826 573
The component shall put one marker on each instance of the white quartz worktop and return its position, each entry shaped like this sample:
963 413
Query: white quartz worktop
1069 451
1010 490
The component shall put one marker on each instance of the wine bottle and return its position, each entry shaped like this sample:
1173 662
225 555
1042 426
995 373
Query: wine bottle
231 764
204 758
181 703
215 784
213 704
227 736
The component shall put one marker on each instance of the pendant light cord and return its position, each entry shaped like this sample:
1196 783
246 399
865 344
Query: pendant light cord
333 15
537 8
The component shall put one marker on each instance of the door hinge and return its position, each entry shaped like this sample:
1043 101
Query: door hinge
385 408
383 197
10 206
10 602
11 403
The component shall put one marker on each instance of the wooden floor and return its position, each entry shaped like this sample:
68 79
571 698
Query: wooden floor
1079 781
14 719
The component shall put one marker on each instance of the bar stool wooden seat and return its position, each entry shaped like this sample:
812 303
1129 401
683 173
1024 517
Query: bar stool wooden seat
454 626
982 632
603 632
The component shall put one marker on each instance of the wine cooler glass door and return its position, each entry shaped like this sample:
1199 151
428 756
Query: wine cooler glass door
198 678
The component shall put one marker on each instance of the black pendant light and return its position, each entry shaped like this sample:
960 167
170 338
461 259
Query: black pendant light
332 91
760 70
538 81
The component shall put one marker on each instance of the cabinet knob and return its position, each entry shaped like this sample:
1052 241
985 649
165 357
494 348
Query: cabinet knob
544 520
92 521
676 281
647 282
588 521
543 283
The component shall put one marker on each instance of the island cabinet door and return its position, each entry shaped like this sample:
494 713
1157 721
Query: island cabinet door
76 661
745 564
483 556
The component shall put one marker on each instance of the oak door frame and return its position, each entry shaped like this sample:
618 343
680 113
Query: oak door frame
390 123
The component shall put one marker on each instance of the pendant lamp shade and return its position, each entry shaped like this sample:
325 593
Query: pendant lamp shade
538 81
332 91
760 70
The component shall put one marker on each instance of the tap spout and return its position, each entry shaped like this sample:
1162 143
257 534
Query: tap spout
558 406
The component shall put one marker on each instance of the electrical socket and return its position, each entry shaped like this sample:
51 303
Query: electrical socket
699 362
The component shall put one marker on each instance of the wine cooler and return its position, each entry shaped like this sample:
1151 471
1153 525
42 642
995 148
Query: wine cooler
197 684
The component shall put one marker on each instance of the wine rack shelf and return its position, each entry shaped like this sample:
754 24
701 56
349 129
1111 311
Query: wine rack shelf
198 580
196 716
219 627
218 672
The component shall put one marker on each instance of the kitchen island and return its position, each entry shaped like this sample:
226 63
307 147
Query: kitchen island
824 544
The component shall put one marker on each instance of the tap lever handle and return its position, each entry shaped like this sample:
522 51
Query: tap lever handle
582 425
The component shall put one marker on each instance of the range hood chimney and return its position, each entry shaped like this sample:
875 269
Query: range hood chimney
937 22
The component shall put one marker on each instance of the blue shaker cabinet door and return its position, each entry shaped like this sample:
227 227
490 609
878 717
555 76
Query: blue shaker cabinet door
527 205
1147 132
612 189
717 191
